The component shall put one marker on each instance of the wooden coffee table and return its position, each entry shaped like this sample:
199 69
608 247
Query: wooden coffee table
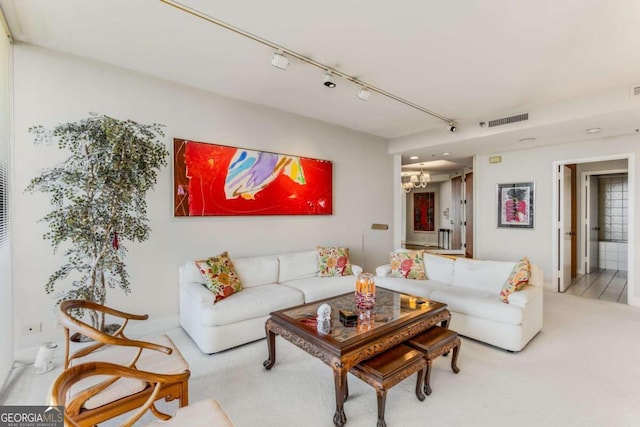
396 318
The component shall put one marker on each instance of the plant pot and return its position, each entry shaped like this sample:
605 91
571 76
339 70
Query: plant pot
108 329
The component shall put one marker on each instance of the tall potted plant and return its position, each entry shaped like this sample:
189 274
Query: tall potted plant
98 200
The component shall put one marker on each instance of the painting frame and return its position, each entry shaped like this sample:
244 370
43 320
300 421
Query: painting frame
516 205
424 209
212 179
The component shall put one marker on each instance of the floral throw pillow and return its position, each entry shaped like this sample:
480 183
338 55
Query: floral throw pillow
220 276
519 277
408 265
333 261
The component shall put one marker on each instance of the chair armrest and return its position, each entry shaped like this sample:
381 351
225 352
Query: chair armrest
70 323
59 393
383 270
66 306
524 295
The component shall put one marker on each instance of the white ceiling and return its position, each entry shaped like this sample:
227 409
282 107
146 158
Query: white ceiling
469 60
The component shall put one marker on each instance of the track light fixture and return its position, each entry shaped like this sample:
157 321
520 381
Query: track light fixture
364 93
278 60
451 127
328 80
332 73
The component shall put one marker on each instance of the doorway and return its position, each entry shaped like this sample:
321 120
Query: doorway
462 213
603 200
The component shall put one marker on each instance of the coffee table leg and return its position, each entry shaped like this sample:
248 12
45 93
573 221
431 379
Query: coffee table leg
271 344
454 359
340 380
445 323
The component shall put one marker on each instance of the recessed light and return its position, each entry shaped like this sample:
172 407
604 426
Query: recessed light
413 158
445 154
593 130
527 139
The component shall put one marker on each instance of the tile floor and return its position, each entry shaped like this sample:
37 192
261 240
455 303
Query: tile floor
607 285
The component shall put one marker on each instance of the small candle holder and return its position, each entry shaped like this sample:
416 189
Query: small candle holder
365 291
366 320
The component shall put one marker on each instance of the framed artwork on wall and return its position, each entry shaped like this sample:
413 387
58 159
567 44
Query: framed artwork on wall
424 211
218 180
516 205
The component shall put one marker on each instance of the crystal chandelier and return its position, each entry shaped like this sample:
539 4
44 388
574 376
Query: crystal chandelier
420 180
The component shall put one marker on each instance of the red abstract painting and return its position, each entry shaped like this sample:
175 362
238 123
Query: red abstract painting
424 211
212 179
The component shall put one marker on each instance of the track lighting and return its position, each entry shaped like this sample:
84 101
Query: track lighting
364 93
451 127
328 80
281 61
278 60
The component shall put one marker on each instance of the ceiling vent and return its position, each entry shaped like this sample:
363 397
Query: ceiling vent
635 90
507 120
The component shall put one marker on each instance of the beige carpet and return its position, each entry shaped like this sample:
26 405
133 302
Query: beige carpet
583 369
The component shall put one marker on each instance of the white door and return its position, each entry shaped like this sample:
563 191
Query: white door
591 223
564 228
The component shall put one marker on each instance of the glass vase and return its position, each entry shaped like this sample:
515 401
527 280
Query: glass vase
365 291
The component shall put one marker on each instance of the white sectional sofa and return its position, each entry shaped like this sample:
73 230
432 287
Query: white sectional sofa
270 283
471 289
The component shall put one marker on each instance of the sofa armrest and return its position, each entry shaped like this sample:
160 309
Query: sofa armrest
198 293
356 269
524 295
383 270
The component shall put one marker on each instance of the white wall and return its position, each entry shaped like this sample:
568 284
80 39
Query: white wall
445 203
6 314
537 165
52 88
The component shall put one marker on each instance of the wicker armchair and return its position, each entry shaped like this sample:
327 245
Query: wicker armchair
164 372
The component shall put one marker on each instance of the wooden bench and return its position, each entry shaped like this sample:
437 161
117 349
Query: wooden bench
389 368
435 342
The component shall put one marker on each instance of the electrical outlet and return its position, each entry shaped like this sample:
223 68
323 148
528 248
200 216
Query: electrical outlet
32 328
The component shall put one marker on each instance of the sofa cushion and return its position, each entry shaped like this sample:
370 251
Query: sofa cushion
438 268
256 271
333 261
316 288
298 265
220 275
251 303
420 288
479 303
205 412
517 279
481 274
407 265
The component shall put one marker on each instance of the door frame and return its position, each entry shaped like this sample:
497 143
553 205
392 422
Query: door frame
565 267
556 247
584 176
